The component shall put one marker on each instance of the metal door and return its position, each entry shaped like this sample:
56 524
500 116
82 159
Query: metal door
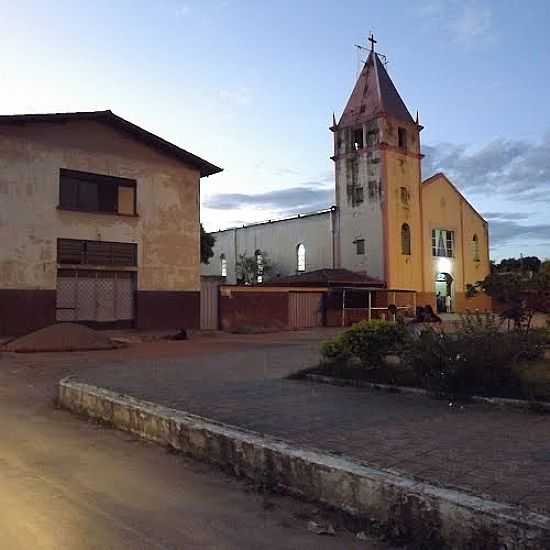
209 303
305 310
95 296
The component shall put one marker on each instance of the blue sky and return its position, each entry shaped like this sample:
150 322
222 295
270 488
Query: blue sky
251 86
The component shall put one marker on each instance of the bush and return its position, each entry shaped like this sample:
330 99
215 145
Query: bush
368 340
478 359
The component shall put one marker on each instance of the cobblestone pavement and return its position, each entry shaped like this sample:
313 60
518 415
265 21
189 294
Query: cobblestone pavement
74 485
495 453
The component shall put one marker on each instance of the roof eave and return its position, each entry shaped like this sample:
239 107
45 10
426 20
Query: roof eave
205 168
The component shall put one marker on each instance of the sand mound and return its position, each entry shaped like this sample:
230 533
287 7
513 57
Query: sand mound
61 337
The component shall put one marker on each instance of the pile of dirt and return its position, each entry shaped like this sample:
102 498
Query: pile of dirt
61 337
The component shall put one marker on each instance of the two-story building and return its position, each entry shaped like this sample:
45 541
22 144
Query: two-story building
99 223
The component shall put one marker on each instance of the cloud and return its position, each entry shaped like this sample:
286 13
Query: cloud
472 23
502 232
505 216
239 96
469 22
294 199
183 10
512 168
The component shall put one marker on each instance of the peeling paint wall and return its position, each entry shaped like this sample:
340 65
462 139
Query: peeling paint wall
166 228
359 198
279 241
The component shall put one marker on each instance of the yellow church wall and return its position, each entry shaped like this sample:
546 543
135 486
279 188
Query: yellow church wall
445 208
402 171
441 206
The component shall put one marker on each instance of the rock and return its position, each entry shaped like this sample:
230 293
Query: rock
319 529
354 362
392 360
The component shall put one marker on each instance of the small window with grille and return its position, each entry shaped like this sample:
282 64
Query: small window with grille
360 247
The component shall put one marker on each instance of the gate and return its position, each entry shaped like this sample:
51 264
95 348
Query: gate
209 302
305 310
95 297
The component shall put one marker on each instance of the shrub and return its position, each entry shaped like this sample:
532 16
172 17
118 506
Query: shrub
478 359
367 340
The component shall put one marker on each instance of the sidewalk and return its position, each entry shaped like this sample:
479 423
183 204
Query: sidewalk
503 455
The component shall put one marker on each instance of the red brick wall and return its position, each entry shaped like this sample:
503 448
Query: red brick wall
254 310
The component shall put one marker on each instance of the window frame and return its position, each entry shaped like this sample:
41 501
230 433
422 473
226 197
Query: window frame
98 179
86 254
448 244
300 258
402 137
404 195
259 257
476 250
406 239
358 195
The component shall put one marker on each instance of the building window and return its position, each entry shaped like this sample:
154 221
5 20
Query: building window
406 239
96 193
404 194
259 266
443 243
223 265
360 247
358 139
475 248
300 258
78 252
402 138
358 195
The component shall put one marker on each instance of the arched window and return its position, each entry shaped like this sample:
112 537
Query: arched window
406 239
223 265
475 248
259 266
301 257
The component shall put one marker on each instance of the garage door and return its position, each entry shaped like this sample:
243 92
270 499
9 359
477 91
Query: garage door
96 297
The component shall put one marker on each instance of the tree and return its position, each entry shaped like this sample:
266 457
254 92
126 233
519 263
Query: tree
524 263
207 244
523 293
249 268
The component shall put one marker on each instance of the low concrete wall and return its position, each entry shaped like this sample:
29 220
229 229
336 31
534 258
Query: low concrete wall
434 516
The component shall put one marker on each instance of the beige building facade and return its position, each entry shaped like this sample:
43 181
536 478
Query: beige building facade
99 223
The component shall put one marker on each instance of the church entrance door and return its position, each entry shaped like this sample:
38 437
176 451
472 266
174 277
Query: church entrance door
444 292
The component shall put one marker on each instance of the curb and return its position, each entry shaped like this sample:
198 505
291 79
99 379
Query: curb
501 402
424 513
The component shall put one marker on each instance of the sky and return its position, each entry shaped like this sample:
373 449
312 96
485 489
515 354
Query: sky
251 86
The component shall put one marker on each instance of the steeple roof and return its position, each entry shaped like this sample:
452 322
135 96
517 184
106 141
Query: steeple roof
374 94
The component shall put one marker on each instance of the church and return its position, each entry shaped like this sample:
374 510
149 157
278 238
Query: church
388 224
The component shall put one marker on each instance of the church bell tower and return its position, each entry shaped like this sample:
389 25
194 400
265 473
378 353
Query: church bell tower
377 167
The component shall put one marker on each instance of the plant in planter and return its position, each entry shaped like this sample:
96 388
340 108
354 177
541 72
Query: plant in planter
369 341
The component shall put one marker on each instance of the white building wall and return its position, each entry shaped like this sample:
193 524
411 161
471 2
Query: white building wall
279 241
360 169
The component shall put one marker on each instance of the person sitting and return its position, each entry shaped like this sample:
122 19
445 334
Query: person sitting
431 316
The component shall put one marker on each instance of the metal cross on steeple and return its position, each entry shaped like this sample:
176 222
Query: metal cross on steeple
372 41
